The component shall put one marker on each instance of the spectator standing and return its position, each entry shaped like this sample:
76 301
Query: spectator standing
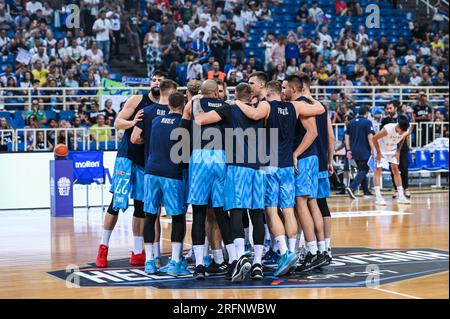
237 39
358 142
423 113
315 13
103 33
100 132
114 16
167 33
215 73
153 52
302 13
133 34
5 137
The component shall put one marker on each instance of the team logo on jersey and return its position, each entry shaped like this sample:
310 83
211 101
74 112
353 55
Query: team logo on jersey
351 267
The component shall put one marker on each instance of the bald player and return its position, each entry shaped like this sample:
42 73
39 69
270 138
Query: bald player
129 175
281 117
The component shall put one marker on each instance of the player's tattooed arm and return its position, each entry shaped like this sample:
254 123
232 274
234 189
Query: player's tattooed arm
309 123
254 113
305 109
136 136
122 121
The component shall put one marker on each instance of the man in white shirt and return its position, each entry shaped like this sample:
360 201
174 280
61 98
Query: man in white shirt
75 51
103 32
388 143
94 55
114 19
202 27
410 56
324 36
40 55
361 35
34 6
316 13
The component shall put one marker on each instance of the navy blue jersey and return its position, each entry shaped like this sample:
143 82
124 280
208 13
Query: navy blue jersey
300 132
159 162
150 112
283 117
322 141
208 104
358 130
134 152
245 144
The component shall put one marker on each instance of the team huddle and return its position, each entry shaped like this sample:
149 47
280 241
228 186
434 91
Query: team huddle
264 157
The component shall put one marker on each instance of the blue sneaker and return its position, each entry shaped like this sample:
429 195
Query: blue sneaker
182 268
150 267
171 268
207 260
270 258
286 261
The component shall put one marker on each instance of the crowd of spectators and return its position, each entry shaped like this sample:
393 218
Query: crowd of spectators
209 39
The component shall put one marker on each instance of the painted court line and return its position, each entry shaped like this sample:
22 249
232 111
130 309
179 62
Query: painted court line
396 293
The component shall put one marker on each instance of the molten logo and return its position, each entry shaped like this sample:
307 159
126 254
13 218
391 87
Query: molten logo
87 164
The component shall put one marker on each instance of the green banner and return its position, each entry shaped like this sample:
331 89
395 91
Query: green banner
107 83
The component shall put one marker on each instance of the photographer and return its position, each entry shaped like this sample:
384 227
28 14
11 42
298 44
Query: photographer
172 56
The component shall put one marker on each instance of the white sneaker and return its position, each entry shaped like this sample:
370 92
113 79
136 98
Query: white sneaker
380 201
403 200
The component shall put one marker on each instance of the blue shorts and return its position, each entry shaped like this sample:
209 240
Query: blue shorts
164 191
128 180
207 172
185 187
306 181
280 187
323 189
244 188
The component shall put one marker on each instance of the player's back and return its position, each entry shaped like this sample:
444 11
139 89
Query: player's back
159 162
300 133
282 117
389 143
322 140
208 104
150 113
134 152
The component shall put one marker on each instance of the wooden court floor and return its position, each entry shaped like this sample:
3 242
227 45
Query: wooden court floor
32 243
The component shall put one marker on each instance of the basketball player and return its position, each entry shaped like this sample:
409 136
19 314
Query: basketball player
207 171
128 175
244 185
306 166
144 128
280 179
164 185
387 144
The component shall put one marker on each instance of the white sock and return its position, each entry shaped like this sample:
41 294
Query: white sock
176 251
327 243
218 256
377 191
206 247
138 242
231 250
267 235
297 241
311 246
275 247
240 248
281 241
156 251
401 193
345 181
198 253
258 249
291 244
148 251
321 246
247 238
105 237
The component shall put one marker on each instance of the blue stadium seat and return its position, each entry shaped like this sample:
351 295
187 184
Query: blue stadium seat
181 72
66 115
441 159
111 145
115 76
424 160
5 114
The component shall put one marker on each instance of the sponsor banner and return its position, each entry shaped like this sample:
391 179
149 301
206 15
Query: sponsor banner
351 267
128 80
107 84
87 167
26 176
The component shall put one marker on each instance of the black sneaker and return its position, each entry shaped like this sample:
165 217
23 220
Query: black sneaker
328 258
350 193
257 273
243 266
321 259
341 192
231 267
199 272
215 269
311 261
368 194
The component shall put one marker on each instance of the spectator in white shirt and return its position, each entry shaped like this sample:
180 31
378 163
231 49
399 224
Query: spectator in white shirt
40 55
75 51
239 20
410 56
33 6
316 13
202 27
94 54
361 35
103 33
415 78
324 36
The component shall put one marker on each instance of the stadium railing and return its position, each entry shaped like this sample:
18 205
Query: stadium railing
13 99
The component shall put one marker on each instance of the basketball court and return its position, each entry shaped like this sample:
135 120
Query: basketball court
390 252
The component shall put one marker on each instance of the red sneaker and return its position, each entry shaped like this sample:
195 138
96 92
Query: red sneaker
102 257
137 259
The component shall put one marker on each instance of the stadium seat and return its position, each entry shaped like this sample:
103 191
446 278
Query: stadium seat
424 160
441 159
66 115
412 165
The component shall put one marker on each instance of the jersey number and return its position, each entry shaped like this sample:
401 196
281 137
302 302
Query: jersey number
122 188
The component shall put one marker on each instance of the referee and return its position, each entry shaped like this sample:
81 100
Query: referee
393 116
